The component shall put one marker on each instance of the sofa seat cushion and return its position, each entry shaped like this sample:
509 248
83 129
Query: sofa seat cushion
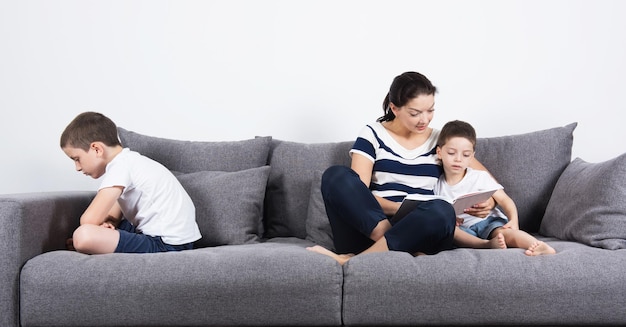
269 283
487 287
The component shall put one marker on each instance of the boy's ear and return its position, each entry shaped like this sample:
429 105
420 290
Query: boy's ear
97 146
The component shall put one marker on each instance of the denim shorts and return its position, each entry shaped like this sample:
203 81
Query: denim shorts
484 228
133 242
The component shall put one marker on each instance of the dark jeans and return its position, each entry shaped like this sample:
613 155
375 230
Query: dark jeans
353 213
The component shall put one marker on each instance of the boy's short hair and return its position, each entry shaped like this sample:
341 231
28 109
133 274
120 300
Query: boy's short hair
456 128
89 127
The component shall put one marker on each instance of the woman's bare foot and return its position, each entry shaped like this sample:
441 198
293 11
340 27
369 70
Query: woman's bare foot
341 258
498 242
539 248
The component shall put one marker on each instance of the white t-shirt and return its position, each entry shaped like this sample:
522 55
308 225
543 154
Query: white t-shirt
152 200
473 181
398 171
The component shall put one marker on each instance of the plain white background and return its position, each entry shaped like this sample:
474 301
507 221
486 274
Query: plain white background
306 71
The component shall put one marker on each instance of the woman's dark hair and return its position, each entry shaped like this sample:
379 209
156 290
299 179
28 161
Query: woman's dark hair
405 87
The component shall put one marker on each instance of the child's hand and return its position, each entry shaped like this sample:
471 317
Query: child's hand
481 210
511 225
459 221
107 224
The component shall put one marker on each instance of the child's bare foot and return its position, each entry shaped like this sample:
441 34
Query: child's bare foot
69 244
341 258
498 242
539 248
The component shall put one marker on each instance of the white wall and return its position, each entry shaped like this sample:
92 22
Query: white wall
309 71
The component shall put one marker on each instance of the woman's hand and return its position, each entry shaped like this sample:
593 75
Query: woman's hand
482 210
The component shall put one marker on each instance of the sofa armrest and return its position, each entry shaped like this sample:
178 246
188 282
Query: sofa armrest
31 224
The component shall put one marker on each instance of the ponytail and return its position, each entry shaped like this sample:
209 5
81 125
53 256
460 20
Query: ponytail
387 112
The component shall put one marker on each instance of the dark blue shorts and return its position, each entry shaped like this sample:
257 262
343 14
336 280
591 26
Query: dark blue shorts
133 242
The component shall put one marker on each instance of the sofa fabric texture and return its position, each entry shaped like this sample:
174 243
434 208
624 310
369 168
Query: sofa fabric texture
193 156
229 205
289 187
528 166
214 286
597 216
258 206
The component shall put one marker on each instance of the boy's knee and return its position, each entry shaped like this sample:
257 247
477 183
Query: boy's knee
81 237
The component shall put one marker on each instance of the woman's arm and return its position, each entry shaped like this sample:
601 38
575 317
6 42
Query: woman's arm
364 167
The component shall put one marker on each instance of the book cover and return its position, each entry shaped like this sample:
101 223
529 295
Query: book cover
459 204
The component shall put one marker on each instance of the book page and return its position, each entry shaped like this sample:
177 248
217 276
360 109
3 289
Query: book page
466 201
461 203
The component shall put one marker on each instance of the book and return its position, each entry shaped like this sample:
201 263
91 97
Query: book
459 204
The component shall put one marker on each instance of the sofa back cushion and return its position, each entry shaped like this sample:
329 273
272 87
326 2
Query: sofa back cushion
226 180
229 205
528 166
587 204
193 156
293 166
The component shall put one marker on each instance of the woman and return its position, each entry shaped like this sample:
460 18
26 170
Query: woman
391 158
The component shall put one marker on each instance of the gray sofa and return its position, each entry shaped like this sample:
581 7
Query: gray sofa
258 207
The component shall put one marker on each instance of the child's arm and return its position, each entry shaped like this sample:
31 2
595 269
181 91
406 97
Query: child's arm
114 218
481 210
103 208
508 207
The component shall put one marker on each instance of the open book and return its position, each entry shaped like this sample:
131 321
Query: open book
460 203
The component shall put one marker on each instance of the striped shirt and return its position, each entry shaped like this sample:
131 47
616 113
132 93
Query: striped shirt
398 171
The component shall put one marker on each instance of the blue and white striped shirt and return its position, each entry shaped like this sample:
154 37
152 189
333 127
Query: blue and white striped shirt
398 171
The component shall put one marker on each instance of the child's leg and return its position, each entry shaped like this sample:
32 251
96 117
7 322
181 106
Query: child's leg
466 240
520 239
93 239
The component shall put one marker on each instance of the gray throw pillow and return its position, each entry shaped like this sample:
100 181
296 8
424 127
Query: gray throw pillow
289 184
528 166
229 205
317 225
192 156
588 204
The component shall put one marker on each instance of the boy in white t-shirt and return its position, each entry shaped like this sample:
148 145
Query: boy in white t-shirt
140 206
455 149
